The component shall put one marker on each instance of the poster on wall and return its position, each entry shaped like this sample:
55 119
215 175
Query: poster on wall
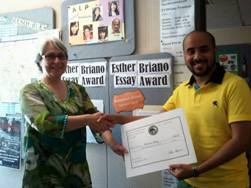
96 22
176 20
10 135
15 53
17 65
26 22
229 60
17 69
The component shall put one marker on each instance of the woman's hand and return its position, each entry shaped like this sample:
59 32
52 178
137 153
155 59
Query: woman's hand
99 123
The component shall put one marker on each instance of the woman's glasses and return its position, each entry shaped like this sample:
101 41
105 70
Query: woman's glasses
52 56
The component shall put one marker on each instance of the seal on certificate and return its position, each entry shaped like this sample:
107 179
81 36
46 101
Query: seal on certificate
153 130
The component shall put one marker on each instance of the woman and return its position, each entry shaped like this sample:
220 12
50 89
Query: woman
74 27
96 14
56 114
113 10
87 33
103 34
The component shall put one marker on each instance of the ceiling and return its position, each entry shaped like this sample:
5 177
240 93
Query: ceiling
228 13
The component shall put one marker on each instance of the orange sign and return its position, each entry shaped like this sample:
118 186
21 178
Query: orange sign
128 101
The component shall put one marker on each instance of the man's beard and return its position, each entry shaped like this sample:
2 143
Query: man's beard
203 73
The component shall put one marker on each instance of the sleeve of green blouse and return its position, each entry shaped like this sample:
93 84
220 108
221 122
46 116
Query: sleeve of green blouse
90 109
36 114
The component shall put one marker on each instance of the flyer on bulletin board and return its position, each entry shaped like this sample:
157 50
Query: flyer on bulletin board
96 22
10 135
229 60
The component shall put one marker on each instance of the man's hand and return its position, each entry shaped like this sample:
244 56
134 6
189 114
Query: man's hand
99 123
181 171
114 145
118 149
113 119
119 119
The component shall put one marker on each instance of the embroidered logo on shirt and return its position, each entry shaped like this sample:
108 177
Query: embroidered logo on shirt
215 103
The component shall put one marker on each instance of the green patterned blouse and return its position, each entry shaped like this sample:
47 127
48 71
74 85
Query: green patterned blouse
54 158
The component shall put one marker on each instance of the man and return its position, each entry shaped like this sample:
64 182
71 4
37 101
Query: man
217 106
115 26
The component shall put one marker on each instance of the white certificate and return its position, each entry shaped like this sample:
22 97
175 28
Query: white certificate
155 142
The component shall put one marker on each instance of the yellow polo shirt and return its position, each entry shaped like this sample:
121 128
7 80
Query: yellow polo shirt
209 111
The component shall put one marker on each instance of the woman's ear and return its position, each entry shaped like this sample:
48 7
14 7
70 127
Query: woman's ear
38 58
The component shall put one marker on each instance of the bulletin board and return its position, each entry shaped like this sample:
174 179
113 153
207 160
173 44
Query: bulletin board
20 33
17 69
235 58
151 75
155 92
26 22
113 47
230 60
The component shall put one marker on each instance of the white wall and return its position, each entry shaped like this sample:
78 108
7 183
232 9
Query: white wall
10 178
238 35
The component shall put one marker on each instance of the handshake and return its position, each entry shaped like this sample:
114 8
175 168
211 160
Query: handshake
100 122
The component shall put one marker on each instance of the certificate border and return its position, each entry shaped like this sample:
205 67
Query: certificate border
177 117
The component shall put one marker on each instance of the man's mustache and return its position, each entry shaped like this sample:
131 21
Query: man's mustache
200 61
